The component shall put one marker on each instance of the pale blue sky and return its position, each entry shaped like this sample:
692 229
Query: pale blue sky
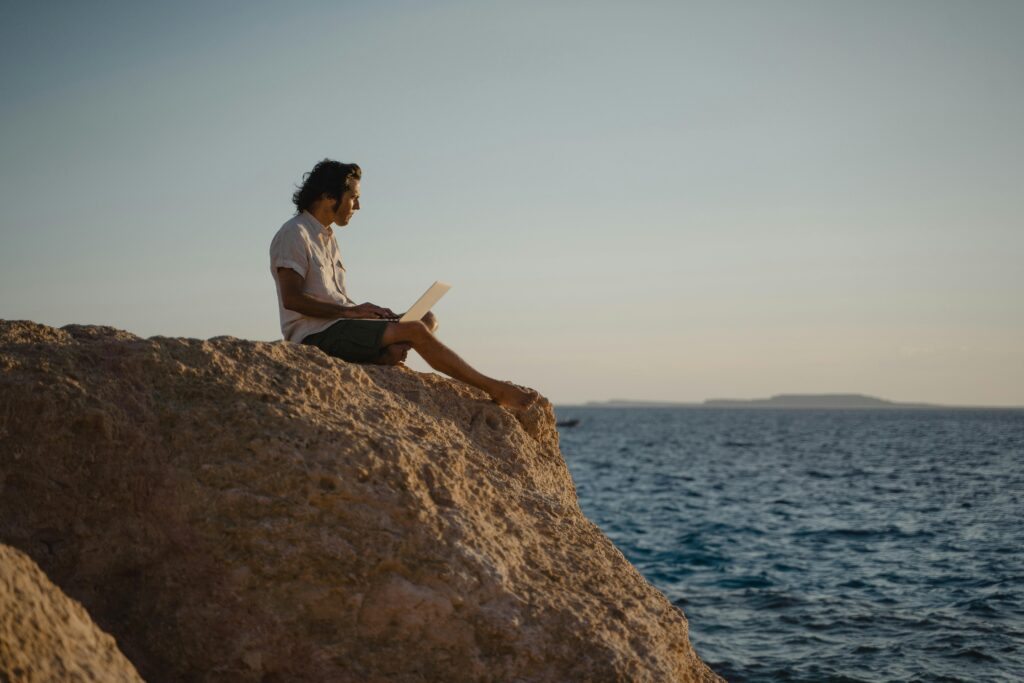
661 200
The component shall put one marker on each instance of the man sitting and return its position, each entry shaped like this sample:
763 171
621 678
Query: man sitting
315 309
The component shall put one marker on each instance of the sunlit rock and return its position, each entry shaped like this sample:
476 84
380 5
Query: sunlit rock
244 511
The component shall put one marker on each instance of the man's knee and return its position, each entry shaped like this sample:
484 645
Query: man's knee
418 329
414 332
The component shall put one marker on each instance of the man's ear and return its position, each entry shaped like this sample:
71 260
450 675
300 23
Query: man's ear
337 201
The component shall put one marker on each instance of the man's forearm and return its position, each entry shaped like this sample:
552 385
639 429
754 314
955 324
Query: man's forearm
315 308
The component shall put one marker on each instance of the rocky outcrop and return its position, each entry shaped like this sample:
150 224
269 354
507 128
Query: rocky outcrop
46 637
243 511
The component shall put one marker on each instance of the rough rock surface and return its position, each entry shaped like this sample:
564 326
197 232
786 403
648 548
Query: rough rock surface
246 511
45 636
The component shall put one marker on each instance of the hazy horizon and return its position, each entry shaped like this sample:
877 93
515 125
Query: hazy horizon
708 399
666 201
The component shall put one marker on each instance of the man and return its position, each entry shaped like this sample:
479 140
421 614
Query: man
315 308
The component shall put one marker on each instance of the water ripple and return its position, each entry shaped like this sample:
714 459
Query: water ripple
821 545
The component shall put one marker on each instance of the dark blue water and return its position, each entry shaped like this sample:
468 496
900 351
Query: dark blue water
820 545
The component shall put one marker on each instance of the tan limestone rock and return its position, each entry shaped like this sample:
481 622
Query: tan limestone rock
46 637
245 511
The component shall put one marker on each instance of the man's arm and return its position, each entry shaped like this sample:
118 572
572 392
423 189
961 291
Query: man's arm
294 299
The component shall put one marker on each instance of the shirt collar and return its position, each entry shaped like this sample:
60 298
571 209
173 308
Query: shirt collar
321 229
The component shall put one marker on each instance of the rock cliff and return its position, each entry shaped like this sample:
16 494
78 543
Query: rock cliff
244 511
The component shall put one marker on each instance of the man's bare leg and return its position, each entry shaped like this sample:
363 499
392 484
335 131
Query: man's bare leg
443 359
393 355
397 353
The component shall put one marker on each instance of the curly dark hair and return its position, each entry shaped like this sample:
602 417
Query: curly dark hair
329 178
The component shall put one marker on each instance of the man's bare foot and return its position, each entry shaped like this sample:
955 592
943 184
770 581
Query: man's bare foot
512 397
393 355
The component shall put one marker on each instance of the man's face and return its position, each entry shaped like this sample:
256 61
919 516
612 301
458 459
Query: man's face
348 205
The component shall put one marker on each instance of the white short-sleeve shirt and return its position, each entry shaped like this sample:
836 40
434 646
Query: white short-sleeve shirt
308 248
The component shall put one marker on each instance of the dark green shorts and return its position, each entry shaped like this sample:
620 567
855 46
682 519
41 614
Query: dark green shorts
355 341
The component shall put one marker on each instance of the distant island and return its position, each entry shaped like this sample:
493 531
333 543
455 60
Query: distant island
844 401
790 401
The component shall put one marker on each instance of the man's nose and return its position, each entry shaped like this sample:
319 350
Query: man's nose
355 206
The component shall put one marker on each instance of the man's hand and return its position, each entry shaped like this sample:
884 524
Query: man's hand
369 310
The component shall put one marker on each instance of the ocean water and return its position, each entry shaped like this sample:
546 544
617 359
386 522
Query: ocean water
820 545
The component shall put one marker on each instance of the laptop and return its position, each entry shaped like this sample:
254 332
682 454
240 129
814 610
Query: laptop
422 305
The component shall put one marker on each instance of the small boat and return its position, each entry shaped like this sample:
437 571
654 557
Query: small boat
567 423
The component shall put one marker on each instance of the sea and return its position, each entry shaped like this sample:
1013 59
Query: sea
820 545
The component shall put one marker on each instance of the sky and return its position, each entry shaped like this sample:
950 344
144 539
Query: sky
653 200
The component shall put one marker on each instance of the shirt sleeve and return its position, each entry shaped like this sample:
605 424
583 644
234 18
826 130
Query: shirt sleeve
289 250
